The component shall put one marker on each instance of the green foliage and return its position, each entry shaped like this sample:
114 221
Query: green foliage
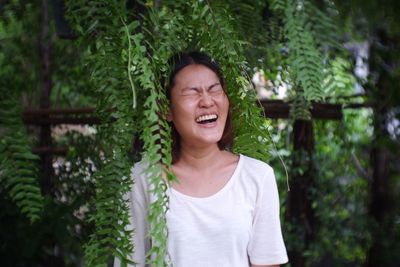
156 137
251 137
322 22
111 233
339 195
254 25
124 53
309 36
109 58
14 57
123 62
343 188
338 80
304 58
201 24
19 174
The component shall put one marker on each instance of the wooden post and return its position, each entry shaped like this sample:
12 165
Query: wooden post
45 86
299 211
47 172
383 63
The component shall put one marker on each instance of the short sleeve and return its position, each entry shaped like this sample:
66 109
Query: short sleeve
266 245
138 203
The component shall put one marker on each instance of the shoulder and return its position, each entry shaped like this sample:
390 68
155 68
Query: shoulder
256 175
139 168
256 168
139 176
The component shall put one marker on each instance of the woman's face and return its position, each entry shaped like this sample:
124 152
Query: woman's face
199 106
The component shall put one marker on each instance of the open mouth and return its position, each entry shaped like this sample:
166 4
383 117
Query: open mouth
207 118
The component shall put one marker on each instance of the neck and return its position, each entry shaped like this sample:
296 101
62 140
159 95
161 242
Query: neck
199 158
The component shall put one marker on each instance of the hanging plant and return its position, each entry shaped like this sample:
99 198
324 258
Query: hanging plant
128 58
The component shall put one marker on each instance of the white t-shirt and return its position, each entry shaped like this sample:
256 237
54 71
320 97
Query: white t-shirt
237 225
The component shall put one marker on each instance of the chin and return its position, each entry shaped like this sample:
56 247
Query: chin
210 140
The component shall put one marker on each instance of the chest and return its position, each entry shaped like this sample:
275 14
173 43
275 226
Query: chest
219 221
202 184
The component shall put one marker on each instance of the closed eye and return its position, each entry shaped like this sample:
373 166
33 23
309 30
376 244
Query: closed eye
215 89
190 91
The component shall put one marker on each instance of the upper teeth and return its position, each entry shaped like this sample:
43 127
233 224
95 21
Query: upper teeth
206 117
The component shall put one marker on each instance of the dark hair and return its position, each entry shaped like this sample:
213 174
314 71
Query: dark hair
176 63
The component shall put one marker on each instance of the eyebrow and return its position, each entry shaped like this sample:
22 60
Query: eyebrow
215 84
211 86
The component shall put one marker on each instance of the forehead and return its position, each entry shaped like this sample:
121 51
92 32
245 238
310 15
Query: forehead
195 75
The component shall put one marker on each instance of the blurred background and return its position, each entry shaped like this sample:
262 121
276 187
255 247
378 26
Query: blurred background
326 75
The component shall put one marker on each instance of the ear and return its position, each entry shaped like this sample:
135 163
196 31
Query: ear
169 116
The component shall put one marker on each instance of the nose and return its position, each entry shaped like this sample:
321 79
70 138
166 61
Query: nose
206 100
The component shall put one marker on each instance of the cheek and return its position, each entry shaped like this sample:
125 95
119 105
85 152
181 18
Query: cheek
181 111
225 105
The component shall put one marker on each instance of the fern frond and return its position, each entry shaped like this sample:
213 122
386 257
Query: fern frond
111 57
112 238
278 5
338 78
18 166
152 134
165 30
251 127
322 25
304 61
304 58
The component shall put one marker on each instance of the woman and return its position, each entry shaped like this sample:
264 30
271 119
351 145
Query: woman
224 208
